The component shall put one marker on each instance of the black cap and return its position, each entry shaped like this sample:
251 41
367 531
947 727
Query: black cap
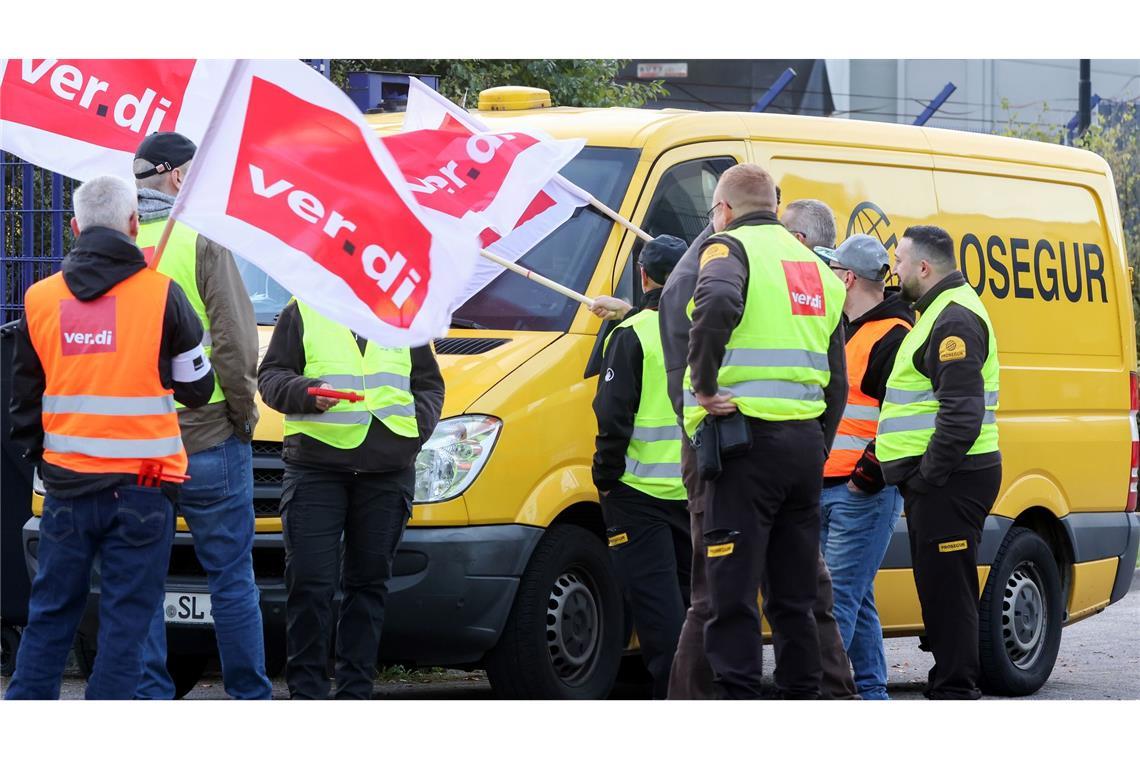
166 150
660 255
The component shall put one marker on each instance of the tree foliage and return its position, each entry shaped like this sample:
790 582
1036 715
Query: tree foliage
571 82
1115 138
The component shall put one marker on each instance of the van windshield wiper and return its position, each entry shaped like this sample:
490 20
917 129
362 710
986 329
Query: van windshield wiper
470 324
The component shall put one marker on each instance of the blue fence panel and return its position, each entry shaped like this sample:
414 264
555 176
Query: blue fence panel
35 213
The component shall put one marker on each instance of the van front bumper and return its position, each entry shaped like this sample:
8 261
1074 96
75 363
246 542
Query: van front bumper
448 600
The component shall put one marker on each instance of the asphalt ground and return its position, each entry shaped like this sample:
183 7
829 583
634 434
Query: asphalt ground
1099 659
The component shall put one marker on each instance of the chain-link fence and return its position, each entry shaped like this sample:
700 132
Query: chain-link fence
34 225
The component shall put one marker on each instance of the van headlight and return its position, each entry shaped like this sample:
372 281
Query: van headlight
454 455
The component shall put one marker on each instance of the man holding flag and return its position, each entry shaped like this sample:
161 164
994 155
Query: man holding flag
217 501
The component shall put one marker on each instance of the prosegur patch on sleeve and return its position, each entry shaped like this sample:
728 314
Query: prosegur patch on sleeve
714 252
951 349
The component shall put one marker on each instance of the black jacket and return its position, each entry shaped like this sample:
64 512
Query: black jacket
674 320
100 259
283 386
960 391
868 474
617 399
719 302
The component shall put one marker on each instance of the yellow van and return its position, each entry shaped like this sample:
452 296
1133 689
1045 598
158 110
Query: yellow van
504 565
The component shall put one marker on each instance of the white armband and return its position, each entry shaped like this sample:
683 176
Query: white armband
190 365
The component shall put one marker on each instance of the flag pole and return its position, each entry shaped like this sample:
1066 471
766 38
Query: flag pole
207 139
620 219
535 277
166 228
575 190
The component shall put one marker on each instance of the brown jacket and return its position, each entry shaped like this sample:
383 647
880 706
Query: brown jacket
233 331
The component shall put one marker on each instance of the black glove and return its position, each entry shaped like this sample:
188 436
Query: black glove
868 474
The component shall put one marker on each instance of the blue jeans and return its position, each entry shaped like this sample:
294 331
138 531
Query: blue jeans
217 503
855 530
130 529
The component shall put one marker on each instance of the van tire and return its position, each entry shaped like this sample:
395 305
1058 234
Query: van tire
1019 616
562 639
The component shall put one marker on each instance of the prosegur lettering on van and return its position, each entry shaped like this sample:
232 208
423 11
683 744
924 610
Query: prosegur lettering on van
1004 267
1052 269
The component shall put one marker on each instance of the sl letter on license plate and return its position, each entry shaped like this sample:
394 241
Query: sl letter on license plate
188 609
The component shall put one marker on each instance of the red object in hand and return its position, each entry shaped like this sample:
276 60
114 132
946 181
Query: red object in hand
330 393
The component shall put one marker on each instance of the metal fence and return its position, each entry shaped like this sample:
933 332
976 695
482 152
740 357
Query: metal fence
34 225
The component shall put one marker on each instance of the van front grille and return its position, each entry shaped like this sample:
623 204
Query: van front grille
268 470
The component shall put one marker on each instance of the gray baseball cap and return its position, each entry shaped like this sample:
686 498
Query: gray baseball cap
862 254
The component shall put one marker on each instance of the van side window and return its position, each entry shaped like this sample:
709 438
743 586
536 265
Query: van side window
679 208
684 196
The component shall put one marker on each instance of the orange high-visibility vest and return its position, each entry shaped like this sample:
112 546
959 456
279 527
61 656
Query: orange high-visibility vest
861 416
105 409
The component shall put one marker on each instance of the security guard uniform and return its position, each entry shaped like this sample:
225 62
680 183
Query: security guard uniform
349 469
780 354
637 469
938 440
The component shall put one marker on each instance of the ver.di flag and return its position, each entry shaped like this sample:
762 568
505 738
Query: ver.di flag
484 178
85 117
291 177
547 206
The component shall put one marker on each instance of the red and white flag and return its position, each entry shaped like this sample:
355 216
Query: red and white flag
546 207
84 118
482 178
291 177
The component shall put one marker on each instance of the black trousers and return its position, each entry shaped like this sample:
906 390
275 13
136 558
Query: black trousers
691 676
317 508
763 520
944 526
650 548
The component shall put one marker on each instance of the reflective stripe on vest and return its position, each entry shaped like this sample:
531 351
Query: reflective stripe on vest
105 410
653 457
179 262
113 448
857 427
382 375
907 419
109 405
776 363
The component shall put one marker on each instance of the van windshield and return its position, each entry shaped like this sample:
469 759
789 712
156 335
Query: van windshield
568 256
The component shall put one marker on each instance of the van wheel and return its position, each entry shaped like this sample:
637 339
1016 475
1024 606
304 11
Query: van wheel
562 639
1019 617
9 645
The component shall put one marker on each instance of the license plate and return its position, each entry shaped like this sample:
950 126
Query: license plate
187 609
